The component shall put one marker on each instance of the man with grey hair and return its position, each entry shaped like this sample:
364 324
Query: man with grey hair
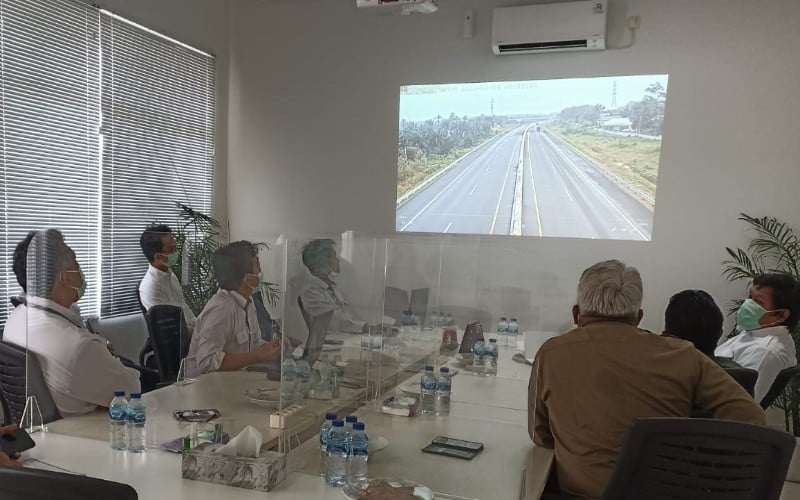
588 385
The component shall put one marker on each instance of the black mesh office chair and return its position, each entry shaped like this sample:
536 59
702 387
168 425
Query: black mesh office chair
169 338
689 459
781 381
12 385
32 484
745 377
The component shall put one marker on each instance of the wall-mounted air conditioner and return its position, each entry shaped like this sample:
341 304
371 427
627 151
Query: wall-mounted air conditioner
550 27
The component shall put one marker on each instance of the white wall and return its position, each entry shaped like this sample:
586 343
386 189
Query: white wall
204 24
313 130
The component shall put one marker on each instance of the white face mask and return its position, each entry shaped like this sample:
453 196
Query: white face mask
333 275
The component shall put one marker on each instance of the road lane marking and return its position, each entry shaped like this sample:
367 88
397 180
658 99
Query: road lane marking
473 189
568 195
459 176
596 188
448 227
489 166
502 190
533 188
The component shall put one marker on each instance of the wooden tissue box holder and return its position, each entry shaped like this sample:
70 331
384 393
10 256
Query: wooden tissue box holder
261 474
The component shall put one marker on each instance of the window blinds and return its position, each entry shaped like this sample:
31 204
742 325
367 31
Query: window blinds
104 126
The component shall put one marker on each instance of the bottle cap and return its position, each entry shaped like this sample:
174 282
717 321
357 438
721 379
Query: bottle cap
136 395
444 369
513 319
338 423
119 394
359 426
492 341
330 416
351 419
428 368
503 318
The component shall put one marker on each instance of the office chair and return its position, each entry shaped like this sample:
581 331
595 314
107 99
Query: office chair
33 484
317 330
13 368
745 377
169 338
781 381
688 458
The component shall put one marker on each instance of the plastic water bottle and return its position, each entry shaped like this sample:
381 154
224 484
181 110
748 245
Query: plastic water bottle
444 386
502 332
358 444
502 326
288 379
479 357
427 404
303 377
137 420
491 358
513 330
349 421
336 469
324 437
118 421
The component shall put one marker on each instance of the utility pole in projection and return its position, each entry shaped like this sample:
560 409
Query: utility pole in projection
614 96
491 111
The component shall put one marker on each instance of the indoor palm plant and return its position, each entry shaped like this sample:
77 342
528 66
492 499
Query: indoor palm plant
198 236
775 248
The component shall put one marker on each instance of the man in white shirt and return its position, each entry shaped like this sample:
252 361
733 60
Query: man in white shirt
765 321
227 336
159 285
320 293
78 368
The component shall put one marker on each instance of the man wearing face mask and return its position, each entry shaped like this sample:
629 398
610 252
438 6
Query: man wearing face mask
78 369
321 294
765 321
159 285
227 336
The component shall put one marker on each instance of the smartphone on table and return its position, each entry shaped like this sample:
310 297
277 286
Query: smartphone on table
16 442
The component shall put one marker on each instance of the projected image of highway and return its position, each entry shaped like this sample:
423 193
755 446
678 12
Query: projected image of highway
581 171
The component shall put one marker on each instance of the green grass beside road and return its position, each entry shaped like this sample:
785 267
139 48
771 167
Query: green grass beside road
635 159
412 172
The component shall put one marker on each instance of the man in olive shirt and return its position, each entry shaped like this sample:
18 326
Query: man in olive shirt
589 384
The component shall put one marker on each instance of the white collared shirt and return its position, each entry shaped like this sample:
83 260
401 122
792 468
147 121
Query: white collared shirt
228 324
77 367
164 288
767 350
319 298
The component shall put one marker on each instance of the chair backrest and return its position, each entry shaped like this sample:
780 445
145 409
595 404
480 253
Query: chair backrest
33 484
307 319
419 303
169 338
395 301
745 377
317 330
13 368
690 458
128 334
780 383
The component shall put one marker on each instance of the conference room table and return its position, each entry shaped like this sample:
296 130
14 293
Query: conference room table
487 409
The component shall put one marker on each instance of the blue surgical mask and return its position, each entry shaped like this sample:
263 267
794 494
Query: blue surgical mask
748 315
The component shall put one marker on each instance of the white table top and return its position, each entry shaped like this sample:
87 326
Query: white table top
507 448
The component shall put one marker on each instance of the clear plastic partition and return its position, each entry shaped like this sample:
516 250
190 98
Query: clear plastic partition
411 296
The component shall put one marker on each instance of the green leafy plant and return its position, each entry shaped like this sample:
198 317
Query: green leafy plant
198 236
775 248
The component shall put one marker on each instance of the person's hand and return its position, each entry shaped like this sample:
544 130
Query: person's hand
5 459
110 347
269 351
291 341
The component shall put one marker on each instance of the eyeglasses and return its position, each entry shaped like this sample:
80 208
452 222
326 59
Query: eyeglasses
196 416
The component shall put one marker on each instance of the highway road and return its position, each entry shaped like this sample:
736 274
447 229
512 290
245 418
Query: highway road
564 195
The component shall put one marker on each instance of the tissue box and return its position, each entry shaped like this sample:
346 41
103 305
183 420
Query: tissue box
262 474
